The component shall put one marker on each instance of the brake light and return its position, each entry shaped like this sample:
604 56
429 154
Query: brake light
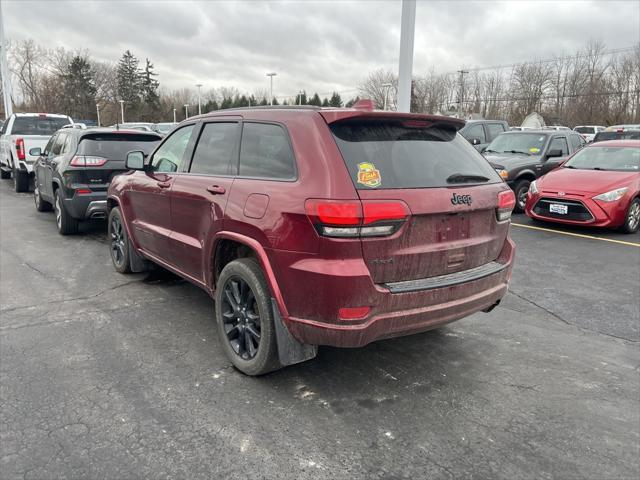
353 218
83 191
85 161
506 202
20 148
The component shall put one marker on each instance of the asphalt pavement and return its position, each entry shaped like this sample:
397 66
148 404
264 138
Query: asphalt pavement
115 376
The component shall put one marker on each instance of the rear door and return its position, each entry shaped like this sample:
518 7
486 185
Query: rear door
450 189
42 170
52 162
149 207
199 196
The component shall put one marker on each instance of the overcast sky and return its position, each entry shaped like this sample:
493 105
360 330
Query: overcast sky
317 45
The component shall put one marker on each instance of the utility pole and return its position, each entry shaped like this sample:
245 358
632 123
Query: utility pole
121 111
4 71
386 87
186 111
407 32
271 75
300 97
174 116
462 73
199 103
98 112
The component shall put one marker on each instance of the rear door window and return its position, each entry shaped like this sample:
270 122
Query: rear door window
41 125
399 153
265 152
213 154
495 129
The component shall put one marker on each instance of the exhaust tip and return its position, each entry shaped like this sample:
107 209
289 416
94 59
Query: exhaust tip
487 310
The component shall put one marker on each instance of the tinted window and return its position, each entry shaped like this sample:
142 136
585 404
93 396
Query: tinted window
630 135
37 125
585 130
474 131
265 152
50 143
495 129
559 143
385 153
115 146
57 147
576 141
169 157
214 151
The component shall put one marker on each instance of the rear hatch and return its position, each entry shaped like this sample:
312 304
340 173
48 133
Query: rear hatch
450 189
101 156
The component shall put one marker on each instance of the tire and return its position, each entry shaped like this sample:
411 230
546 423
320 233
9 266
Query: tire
632 220
20 181
41 205
67 225
119 244
520 189
5 174
247 333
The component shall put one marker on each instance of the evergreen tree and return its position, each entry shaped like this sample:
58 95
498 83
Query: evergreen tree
325 102
335 101
264 101
301 98
352 102
315 100
149 86
227 102
79 89
275 101
128 79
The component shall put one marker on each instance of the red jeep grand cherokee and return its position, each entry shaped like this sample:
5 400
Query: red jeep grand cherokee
315 226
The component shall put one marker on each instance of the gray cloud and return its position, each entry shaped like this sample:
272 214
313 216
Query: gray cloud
316 45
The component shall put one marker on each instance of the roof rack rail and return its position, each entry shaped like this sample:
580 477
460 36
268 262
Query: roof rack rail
269 107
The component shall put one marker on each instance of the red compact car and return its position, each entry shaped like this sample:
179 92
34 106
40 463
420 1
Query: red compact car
317 226
598 186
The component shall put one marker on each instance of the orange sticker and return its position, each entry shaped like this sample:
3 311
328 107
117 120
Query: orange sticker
369 175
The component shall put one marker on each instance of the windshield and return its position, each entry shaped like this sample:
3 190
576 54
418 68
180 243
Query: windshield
115 146
622 159
399 153
38 125
529 143
586 130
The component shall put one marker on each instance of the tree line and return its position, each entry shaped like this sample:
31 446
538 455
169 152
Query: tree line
590 86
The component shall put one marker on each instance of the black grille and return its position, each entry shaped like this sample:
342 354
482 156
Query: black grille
576 211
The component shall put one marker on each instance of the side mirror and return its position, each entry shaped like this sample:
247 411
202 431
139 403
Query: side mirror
475 141
35 152
554 153
135 160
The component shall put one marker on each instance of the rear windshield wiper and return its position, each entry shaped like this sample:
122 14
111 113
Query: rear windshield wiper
464 177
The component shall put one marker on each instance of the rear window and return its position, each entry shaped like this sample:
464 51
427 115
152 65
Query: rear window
390 153
115 146
585 130
630 135
38 125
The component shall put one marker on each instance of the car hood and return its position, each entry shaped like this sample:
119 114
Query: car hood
594 182
509 160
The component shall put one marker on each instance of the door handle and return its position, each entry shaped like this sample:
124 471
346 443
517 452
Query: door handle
164 184
216 190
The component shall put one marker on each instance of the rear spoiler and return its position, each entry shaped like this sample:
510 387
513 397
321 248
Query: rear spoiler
331 116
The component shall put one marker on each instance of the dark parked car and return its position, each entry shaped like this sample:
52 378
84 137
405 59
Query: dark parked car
75 168
317 226
481 133
521 157
619 132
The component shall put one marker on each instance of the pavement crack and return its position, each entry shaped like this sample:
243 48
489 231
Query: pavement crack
555 315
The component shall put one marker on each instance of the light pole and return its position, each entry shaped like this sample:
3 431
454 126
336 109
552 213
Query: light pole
98 112
199 103
300 96
386 87
407 32
174 116
121 111
186 111
271 75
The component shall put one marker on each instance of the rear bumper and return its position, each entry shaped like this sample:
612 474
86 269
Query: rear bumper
86 207
603 214
399 314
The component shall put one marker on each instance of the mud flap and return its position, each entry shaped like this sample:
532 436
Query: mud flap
290 350
136 262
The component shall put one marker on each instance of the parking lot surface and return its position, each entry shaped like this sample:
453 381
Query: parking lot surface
112 376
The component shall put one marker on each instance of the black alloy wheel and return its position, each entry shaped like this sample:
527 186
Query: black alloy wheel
241 318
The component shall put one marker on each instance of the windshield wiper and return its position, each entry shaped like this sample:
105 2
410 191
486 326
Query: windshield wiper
568 166
516 151
465 177
598 168
488 150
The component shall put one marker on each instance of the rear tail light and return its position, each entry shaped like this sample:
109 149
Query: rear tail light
20 148
506 202
83 191
84 161
354 218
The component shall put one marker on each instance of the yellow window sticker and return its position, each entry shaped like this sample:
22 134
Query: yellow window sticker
369 175
534 150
